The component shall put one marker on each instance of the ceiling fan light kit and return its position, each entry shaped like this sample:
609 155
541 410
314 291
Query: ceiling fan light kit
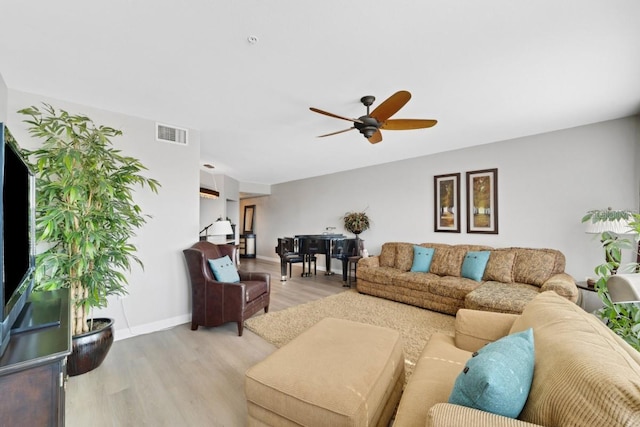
370 124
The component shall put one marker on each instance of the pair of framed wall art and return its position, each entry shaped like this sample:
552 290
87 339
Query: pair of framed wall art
482 202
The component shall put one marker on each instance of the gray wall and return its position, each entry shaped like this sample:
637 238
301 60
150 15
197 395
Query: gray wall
159 296
546 184
3 100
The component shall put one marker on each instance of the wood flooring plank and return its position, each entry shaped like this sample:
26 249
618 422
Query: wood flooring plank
180 377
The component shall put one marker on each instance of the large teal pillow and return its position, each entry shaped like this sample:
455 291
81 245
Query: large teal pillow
422 258
474 264
498 377
224 270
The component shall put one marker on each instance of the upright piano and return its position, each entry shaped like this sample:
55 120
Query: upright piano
306 245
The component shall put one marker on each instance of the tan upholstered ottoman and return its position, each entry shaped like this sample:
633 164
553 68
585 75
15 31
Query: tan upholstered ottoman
336 373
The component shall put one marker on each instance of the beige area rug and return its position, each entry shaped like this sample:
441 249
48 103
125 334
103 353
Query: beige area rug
414 324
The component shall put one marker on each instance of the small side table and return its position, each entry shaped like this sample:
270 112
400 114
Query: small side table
352 267
589 299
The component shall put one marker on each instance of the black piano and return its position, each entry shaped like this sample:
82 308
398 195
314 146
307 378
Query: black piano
308 245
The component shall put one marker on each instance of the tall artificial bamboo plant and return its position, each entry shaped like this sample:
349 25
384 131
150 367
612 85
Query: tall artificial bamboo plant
85 212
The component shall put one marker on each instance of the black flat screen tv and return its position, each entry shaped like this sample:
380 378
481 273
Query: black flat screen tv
17 251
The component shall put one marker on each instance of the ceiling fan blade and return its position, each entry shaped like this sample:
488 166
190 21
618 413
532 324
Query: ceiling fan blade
326 113
335 133
403 124
376 137
391 105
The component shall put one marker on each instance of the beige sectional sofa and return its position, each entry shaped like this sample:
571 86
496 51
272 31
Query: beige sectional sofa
512 277
584 374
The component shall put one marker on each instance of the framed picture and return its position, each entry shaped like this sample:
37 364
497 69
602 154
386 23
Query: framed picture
482 201
447 203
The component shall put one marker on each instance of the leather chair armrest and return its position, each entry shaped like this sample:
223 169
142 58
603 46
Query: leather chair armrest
234 297
475 328
252 275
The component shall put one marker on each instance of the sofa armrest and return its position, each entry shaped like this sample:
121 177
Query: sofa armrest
450 415
563 285
370 261
475 328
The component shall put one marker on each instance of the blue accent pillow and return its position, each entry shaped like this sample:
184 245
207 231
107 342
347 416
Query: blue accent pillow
224 270
498 377
474 264
422 258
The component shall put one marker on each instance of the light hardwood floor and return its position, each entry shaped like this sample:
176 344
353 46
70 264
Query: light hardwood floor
180 377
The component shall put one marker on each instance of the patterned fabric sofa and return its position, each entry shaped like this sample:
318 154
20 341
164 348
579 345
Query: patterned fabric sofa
584 375
512 277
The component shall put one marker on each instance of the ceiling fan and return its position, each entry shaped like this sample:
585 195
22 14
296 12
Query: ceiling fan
370 124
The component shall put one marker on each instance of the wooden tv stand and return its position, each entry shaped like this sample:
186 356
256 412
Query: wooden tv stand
33 368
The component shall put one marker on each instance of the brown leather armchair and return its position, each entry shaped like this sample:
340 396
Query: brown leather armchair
215 303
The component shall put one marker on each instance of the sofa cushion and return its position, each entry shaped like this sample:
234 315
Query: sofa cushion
500 266
447 261
474 264
383 275
578 360
535 266
422 258
404 256
501 297
452 287
414 280
388 255
497 378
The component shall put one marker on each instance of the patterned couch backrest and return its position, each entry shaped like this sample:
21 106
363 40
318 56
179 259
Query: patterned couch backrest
523 265
447 260
536 266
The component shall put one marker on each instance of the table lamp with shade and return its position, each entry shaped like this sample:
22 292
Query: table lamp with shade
221 228
610 224
624 288
218 228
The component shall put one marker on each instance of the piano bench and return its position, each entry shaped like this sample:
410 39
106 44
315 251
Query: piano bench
296 258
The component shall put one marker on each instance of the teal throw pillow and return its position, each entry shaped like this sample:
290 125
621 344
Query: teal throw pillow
474 264
498 377
224 270
422 259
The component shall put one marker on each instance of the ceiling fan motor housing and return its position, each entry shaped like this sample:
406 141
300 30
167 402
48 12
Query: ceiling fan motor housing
368 127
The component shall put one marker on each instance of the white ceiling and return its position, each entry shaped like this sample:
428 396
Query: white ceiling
487 70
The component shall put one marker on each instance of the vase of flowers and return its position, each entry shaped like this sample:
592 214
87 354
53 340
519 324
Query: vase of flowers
356 222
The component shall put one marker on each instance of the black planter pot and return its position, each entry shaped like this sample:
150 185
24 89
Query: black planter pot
90 349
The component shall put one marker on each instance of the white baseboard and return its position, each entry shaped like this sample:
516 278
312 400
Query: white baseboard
124 333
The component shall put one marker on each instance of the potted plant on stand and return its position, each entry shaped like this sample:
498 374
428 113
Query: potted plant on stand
356 223
623 319
85 216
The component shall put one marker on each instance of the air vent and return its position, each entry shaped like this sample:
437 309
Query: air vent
173 134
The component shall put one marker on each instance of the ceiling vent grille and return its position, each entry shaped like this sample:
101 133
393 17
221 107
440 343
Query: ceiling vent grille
172 134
